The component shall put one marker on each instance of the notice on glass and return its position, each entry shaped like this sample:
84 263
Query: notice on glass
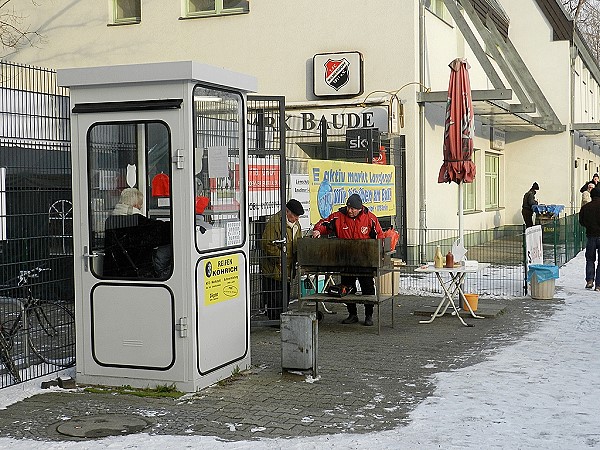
217 162
234 233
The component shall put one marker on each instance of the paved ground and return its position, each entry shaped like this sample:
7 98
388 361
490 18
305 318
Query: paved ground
367 382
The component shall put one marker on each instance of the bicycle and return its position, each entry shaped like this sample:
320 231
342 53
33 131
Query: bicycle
7 359
48 327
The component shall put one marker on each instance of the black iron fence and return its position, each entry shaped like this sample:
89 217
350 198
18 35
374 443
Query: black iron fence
35 217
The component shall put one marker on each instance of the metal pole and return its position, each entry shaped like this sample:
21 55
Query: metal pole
422 184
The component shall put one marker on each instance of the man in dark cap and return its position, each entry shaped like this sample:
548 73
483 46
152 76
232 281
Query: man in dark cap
589 217
353 221
271 267
528 202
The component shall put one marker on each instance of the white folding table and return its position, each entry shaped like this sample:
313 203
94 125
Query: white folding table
451 287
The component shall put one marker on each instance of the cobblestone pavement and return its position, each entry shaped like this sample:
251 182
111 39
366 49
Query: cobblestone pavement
367 382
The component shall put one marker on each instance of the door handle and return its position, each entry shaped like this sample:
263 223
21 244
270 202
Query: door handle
86 257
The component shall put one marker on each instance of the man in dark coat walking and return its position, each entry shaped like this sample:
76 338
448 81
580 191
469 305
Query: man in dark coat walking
589 217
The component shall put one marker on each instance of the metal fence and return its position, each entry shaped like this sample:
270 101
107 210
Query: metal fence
563 239
503 248
35 214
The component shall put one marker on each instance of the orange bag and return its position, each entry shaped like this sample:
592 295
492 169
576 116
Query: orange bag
394 237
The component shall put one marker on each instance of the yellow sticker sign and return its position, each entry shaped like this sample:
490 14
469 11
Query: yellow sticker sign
221 279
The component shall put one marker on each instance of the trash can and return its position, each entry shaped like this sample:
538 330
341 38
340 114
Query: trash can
299 340
541 277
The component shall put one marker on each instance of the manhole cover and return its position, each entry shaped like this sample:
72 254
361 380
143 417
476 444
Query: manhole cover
102 426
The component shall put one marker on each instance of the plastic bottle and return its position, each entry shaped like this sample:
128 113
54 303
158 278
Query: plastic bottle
438 259
449 260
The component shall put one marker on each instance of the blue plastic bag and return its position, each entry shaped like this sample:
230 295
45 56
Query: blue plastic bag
543 272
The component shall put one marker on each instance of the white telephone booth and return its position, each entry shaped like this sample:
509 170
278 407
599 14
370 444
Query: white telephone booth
160 223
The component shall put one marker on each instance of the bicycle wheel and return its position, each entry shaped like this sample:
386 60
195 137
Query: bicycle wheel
6 358
51 333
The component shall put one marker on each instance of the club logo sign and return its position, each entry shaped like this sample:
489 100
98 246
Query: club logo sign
337 73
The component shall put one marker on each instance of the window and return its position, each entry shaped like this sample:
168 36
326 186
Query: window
492 180
469 192
129 200
216 7
218 168
469 196
437 7
127 11
60 227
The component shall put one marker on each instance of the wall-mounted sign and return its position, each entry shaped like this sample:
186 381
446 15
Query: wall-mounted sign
338 74
497 139
365 139
338 119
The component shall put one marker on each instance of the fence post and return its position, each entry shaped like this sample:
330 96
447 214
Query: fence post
524 245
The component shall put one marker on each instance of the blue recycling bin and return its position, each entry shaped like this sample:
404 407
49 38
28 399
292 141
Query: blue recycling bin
541 277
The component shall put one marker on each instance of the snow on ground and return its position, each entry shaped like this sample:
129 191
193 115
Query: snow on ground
542 392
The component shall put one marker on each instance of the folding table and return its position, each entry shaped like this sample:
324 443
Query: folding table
451 287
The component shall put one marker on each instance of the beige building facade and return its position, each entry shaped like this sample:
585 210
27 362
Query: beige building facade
535 86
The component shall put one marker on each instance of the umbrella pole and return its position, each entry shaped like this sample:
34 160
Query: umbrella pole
460 214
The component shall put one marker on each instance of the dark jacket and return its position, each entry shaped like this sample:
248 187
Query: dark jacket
130 243
364 226
584 187
529 199
270 265
589 217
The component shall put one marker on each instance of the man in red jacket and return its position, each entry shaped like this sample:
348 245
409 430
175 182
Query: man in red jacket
353 221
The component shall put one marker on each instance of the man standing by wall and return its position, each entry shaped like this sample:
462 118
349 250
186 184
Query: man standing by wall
589 217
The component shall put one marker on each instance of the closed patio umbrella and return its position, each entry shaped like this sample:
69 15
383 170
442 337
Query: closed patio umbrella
458 134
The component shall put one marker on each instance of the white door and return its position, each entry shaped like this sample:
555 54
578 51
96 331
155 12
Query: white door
126 286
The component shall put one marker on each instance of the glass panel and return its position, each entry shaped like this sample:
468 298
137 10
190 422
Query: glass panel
219 173
492 164
128 10
469 196
236 4
201 6
129 200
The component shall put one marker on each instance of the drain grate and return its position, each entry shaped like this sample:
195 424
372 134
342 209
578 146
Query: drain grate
103 425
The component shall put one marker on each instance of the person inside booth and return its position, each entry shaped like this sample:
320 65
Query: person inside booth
136 246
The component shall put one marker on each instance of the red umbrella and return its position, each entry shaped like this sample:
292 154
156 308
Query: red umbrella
458 136
458 130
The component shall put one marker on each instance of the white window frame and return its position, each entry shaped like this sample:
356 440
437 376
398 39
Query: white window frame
492 181
116 19
438 8
218 11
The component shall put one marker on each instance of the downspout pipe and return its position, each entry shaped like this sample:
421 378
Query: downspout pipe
573 55
422 172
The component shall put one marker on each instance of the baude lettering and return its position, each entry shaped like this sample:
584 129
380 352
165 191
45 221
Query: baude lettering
337 121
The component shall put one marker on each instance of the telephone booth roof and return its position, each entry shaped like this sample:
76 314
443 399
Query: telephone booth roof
162 72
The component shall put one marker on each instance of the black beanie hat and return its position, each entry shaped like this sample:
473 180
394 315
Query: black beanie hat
595 192
295 207
535 187
354 201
